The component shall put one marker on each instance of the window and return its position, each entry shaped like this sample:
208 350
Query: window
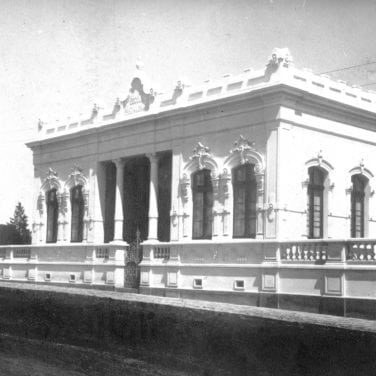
239 285
202 190
77 205
197 283
245 197
315 202
52 213
357 206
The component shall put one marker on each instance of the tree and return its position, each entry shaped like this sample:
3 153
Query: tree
21 233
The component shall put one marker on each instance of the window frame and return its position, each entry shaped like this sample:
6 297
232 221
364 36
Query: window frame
207 204
358 196
312 190
249 185
51 233
79 202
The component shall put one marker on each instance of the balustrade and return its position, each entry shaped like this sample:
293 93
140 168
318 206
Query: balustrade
162 253
316 252
57 263
102 253
361 251
21 252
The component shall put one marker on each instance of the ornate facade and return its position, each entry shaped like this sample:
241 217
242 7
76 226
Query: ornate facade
244 189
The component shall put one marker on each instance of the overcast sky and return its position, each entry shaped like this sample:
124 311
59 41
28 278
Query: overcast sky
59 57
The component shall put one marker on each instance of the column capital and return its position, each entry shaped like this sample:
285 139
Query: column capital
119 162
153 157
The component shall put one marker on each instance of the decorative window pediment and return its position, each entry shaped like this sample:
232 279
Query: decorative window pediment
76 177
361 170
51 181
202 158
244 151
319 161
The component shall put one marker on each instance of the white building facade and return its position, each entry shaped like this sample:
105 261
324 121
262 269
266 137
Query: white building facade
254 189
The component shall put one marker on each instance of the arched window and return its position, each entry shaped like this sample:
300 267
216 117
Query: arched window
315 202
52 214
245 198
202 192
357 205
77 205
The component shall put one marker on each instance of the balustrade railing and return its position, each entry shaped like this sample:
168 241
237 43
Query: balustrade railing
316 252
162 253
21 252
361 251
102 253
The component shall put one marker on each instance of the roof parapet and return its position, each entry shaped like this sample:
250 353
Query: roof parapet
142 98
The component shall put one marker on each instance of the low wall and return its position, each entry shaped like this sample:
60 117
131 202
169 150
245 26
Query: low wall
191 337
74 264
331 276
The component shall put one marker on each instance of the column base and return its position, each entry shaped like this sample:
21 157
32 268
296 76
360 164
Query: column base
118 242
150 241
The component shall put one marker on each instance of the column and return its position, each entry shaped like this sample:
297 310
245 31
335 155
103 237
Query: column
153 197
119 215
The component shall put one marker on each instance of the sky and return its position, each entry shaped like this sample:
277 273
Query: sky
59 57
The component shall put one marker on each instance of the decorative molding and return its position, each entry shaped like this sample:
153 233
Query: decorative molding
242 147
305 183
51 181
319 161
280 56
270 211
260 184
201 158
244 151
200 154
225 179
361 170
184 187
140 97
76 177
41 125
41 202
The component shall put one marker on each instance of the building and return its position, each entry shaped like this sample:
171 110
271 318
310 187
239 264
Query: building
254 189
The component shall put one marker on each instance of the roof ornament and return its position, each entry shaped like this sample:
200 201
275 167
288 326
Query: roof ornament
40 125
281 56
141 95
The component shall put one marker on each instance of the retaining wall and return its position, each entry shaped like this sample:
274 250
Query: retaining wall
191 337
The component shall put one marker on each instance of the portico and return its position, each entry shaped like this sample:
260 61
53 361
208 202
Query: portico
136 200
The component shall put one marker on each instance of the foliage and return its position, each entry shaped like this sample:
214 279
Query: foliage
16 231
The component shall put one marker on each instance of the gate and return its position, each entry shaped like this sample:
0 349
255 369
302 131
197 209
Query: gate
132 259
